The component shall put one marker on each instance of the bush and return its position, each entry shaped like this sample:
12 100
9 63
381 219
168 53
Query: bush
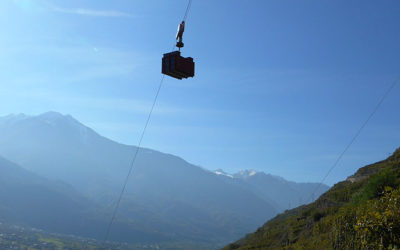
317 216
375 186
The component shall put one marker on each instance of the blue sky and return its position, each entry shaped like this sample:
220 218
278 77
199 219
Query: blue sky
280 86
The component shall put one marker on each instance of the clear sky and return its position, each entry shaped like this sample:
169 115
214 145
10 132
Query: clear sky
280 86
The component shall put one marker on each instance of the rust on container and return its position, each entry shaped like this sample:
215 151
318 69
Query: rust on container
174 65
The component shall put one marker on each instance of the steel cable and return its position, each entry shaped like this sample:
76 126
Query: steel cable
139 144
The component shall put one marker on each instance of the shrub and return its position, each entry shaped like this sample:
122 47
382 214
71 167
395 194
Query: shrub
375 186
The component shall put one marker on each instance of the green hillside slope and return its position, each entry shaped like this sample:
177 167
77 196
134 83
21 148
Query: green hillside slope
362 211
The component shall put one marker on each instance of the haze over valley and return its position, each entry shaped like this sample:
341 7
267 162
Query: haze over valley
199 124
63 177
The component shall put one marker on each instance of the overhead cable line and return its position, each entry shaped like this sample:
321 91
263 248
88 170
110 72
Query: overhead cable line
311 198
355 136
133 160
187 10
139 144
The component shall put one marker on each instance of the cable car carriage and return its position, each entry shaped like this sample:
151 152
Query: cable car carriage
173 64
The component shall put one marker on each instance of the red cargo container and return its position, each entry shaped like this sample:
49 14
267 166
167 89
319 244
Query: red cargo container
174 65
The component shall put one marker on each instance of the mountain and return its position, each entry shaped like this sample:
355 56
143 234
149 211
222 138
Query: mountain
282 194
57 147
29 199
166 197
362 212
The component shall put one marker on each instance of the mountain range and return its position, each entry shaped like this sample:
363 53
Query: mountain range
63 176
291 194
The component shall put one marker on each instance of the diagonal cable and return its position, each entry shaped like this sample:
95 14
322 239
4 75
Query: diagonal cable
139 144
133 160
187 10
356 135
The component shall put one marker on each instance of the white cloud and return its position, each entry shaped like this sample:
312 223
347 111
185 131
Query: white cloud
94 13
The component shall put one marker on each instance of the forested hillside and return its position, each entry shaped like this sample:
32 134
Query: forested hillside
362 211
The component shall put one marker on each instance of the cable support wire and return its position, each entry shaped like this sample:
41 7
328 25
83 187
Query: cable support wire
355 137
187 10
348 146
139 145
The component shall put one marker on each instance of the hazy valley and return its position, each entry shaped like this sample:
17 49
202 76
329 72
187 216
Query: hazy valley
63 177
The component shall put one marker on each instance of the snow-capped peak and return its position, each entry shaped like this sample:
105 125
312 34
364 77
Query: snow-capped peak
65 124
221 172
245 173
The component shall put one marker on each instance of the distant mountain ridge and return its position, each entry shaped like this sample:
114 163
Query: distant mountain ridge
29 200
32 200
166 196
276 190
